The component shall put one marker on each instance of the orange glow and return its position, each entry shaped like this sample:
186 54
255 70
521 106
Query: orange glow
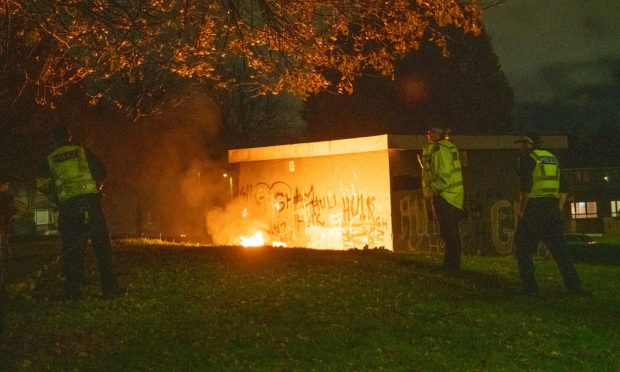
259 240
256 240
413 89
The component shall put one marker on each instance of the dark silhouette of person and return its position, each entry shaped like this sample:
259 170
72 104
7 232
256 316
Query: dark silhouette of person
77 176
542 195
443 181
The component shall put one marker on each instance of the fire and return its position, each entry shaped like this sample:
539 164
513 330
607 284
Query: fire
256 240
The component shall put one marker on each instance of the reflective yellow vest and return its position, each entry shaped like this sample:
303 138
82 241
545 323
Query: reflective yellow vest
452 176
71 173
546 175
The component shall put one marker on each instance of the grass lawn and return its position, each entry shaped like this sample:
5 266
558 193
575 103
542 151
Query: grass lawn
229 308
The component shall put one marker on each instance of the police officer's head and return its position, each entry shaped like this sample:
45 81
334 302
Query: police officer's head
529 142
61 135
435 134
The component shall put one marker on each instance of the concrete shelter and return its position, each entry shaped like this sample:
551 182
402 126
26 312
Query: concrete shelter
365 192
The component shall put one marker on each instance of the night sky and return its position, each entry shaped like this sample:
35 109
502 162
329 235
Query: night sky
562 57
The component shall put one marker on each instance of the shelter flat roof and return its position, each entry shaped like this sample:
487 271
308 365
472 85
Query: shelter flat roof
381 143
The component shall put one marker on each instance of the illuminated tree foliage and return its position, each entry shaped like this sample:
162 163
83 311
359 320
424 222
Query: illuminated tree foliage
258 46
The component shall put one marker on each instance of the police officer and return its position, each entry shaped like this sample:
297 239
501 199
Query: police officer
542 196
77 175
443 180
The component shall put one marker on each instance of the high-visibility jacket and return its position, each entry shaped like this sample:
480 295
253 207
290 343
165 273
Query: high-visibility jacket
545 176
444 174
71 173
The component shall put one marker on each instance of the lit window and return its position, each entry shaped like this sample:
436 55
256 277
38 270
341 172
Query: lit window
583 210
43 217
615 208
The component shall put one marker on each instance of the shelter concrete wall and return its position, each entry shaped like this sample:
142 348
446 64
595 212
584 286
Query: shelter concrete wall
366 192
491 188
330 202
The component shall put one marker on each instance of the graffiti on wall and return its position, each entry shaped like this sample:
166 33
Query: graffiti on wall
503 226
488 228
305 216
419 230
491 222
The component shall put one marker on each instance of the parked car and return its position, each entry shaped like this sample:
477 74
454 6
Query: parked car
579 239
584 248
572 240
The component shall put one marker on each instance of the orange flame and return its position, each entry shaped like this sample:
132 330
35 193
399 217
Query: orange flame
259 240
256 240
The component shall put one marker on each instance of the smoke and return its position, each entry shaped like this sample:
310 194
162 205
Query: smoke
168 174
163 176
227 224
165 171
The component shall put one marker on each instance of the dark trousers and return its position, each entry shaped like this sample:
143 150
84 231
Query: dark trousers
542 221
82 218
448 217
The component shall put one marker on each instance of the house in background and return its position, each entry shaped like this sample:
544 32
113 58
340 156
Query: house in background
365 192
595 200
34 213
